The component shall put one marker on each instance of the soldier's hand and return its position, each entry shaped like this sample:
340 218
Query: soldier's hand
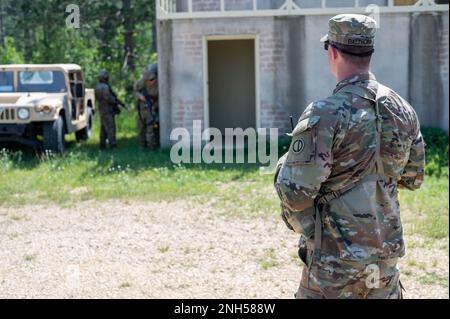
142 98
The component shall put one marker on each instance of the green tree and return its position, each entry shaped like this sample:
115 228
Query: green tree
9 54
117 35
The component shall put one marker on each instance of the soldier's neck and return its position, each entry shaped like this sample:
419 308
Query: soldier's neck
349 71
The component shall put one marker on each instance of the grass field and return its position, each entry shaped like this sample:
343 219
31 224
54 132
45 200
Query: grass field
86 173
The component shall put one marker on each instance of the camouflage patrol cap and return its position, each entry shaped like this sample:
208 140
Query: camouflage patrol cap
351 29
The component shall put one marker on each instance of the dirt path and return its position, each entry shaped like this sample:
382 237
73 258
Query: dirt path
165 250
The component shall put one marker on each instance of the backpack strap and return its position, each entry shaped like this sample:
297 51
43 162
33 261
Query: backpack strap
319 218
381 96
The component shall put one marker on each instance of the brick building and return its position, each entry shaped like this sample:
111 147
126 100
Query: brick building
253 63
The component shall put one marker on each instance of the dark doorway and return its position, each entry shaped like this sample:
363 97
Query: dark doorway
231 74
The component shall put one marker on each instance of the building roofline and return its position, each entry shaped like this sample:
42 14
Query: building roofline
167 10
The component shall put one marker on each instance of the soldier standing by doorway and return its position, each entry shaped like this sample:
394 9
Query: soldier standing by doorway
108 108
146 93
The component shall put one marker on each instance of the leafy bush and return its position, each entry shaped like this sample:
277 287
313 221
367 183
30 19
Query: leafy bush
9 53
436 151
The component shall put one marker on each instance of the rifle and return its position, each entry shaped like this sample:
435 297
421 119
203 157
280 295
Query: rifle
118 101
153 118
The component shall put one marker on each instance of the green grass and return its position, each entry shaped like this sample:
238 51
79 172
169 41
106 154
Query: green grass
86 173
124 285
29 257
130 172
164 249
270 259
427 208
434 279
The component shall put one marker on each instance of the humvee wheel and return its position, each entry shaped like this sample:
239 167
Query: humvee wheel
54 136
85 133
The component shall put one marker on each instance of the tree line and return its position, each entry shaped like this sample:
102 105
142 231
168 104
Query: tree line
118 35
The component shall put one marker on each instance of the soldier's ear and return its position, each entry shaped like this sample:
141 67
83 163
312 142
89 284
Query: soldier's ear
334 52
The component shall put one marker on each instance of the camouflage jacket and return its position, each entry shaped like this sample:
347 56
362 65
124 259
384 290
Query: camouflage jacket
152 91
334 148
105 99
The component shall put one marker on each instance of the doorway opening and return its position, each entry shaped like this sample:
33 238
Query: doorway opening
231 87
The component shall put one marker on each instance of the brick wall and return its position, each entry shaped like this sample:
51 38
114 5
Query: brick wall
293 68
273 61
214 5
429 68
205 5
443 62
238 5
188 61
444 48
187 84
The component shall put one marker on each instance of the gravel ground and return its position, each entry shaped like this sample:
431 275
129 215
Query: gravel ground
118 249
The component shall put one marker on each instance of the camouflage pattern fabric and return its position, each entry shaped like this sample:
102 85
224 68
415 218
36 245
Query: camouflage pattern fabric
106 102
148 135
147 132
107 129
334 148
350 280
351 29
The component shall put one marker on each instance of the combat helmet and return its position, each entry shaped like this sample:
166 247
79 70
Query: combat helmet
103 75
151 71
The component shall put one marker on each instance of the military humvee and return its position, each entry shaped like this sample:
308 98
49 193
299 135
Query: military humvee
40 104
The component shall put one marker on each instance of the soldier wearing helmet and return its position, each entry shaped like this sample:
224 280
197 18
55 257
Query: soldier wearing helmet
107 102
339 181
146 93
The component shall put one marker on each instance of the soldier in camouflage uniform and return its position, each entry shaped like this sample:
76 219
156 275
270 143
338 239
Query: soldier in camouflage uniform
107 108
338 183
146 92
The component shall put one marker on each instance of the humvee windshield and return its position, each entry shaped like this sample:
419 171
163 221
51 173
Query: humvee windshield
41 81
6 82
33 81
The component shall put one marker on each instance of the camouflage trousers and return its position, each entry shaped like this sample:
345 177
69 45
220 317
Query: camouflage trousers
329 277
148 133
107 129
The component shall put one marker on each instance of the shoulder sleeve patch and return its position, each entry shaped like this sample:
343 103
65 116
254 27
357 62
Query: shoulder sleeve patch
303 146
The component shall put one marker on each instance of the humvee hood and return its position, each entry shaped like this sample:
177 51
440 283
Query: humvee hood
40 99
